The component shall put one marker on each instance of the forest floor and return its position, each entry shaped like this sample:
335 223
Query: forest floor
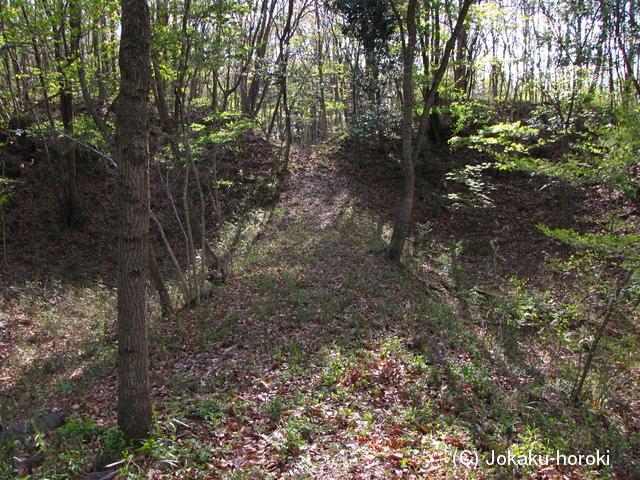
320 360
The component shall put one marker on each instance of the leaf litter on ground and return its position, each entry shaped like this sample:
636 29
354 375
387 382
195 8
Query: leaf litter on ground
321 360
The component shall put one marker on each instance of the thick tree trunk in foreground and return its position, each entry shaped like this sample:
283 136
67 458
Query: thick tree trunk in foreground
132 122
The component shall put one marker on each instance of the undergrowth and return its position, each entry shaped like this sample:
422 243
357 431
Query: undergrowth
320 360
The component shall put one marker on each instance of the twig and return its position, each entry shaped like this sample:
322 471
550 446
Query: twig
89 147
608 313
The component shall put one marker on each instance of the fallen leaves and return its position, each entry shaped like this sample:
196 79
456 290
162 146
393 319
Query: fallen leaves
303 365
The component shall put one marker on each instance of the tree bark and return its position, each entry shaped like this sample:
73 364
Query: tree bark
403 213
283 61
66 53
158 281
324 129
410 153
132 123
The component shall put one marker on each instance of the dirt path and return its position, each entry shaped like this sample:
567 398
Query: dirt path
318 194
315 360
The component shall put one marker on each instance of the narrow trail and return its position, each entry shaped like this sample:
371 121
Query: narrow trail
318 193
318 359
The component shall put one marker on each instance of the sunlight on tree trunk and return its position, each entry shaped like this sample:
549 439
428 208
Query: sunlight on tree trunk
403 214
411 152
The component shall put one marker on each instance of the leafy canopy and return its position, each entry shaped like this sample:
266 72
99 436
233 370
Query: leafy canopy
369 21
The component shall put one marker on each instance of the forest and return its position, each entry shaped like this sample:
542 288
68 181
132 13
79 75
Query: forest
319 239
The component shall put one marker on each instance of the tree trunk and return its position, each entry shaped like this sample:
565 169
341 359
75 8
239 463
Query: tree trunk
460 73
403 214
66 54
324 130
38 59
132 122
282 169
69 153
283 60
258 41
410 154
163 294
608 314
430 97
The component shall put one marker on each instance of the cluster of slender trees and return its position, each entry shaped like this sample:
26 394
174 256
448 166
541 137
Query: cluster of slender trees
91 72
333 57
302 69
